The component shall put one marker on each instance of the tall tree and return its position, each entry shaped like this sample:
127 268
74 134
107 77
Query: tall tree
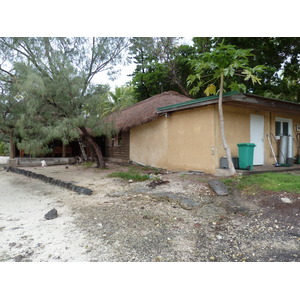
11 105
219 68
162 65
281 55
54 77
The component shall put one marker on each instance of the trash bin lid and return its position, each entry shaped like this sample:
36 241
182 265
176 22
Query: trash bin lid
246 145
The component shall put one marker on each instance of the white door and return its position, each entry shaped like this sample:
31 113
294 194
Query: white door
257 137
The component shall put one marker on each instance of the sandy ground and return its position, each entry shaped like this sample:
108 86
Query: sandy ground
25 234
124 221
3 159
86 229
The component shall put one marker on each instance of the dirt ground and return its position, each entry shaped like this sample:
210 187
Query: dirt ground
123 221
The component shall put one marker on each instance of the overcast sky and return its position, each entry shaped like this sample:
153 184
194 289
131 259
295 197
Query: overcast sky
125 71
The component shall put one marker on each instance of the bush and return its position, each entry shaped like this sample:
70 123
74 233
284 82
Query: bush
4 149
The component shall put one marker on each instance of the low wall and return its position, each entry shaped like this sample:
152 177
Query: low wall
32 162
67 185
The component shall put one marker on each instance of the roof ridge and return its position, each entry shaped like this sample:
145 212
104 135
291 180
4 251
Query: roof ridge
172 93
193 101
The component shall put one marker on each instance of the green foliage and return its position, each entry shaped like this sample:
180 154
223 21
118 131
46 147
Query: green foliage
223 60
161 68
162 65
122 97
4 149
52 78
284 182
130 175
88 164
281 57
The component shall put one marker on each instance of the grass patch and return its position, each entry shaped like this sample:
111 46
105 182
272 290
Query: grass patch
147 169
283 182
88 164
131 174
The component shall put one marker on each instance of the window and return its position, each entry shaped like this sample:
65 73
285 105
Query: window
283 127
116 141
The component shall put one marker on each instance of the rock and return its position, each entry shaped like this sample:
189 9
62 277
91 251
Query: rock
155 183
187 203
29 252
85 191
52 214
158 258
218 187
19 258
286 200
116 194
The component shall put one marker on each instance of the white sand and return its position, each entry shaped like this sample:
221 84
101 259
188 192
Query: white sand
24 231
3 160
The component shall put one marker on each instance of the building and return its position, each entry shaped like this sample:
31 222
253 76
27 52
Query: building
186 135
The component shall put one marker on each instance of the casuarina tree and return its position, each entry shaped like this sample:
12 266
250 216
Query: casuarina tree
221 69
54 79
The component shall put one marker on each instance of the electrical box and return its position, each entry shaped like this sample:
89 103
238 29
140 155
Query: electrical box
224 163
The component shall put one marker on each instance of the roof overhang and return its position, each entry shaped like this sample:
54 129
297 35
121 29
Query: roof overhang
237 99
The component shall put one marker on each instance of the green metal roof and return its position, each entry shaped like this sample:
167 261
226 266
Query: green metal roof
195 101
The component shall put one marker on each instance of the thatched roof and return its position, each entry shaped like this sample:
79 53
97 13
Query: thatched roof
145 111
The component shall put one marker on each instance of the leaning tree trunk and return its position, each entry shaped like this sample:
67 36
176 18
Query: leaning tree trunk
64 153
95 146
231 167
83 153
12 152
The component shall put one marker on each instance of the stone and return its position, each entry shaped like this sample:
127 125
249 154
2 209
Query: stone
157 182
187 203
52 214
218 187
115 194
158 258
85 191
19 258
286 200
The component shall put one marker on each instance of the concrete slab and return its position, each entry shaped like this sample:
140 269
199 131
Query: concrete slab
218 187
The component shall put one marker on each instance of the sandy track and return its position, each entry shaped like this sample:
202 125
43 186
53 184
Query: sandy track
25 234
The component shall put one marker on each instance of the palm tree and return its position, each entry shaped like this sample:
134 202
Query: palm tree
122 97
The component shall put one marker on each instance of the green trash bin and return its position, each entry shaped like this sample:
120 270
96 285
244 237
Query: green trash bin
246 152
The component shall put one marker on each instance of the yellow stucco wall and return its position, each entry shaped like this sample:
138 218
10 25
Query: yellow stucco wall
191 140
149 143
237 128
181 141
